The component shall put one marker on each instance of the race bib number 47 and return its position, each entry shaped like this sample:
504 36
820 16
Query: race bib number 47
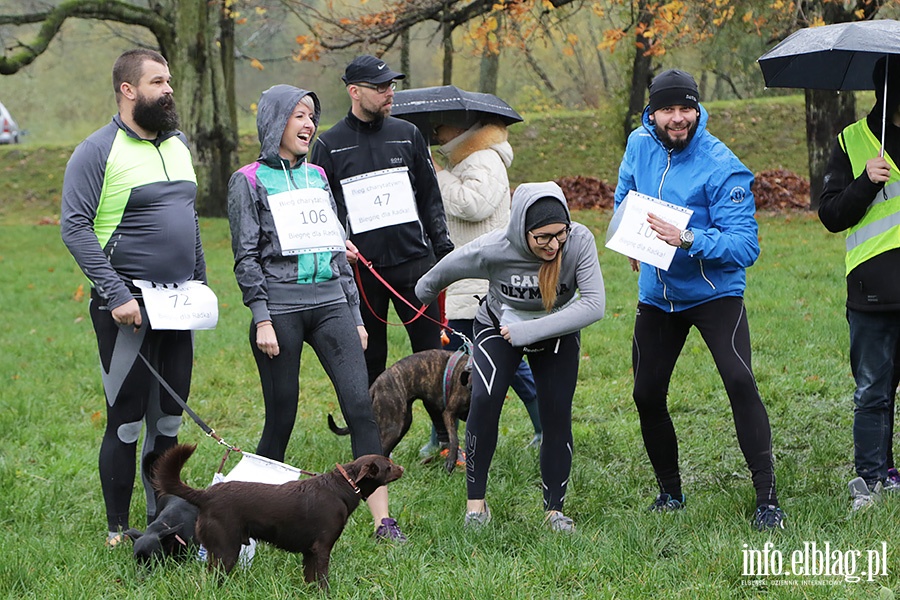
379 199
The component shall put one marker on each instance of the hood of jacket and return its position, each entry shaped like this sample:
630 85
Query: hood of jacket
524 196
275 107
479 137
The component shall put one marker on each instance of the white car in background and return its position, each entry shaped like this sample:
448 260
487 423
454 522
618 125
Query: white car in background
9 131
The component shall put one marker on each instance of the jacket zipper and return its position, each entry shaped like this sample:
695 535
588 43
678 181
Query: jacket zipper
659 195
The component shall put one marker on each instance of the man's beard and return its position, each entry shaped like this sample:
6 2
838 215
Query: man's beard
679 144
159 115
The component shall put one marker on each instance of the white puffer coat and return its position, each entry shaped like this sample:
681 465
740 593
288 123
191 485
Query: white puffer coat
475 191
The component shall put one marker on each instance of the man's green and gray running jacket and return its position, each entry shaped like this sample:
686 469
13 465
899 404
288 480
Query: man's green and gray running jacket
128 211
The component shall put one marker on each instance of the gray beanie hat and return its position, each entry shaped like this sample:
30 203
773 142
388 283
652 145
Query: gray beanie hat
674 88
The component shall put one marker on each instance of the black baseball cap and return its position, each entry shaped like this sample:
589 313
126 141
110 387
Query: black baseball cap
369 69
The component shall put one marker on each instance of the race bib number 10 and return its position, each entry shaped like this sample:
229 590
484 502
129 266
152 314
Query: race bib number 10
379 199
189 305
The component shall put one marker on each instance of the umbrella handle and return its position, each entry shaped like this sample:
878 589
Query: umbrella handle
887 63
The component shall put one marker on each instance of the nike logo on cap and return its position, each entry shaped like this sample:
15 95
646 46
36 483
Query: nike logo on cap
381 66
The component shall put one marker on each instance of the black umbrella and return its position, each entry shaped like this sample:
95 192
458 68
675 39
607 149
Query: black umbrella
431 106
832 57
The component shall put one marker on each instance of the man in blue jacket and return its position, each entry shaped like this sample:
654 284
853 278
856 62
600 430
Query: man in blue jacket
674 158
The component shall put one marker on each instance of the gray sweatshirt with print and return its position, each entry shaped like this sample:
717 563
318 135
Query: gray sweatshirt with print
506 261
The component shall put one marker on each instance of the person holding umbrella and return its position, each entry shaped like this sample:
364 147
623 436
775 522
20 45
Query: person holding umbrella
475 191
675 159
861 196
388 200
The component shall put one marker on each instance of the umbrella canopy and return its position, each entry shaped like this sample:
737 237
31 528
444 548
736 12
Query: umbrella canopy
431 106
831 57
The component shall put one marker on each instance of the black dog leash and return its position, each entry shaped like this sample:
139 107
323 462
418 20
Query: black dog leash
206 428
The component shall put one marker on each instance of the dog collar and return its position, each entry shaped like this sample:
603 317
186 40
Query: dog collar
352 483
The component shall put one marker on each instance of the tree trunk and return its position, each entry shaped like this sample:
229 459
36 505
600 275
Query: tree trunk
490 61
204 86
447 41
406 82
827 113
640 73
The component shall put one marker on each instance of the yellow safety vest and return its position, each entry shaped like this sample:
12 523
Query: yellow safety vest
879 229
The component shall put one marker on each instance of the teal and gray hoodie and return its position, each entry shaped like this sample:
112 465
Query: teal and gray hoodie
271 282
506 261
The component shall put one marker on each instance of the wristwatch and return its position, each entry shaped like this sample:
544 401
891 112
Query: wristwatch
687 239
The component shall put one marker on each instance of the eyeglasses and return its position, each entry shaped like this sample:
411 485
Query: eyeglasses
381 88
544 239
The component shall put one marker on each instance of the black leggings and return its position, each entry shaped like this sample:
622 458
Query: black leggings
554 363
331 332
133 398
424 334
658 340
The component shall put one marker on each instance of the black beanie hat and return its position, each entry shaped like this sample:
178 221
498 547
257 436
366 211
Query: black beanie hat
544 211
674 88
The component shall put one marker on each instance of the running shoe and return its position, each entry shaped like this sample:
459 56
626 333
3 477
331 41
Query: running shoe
460 456
557 521
667 503
768 517
389 531
892 483
861 495
477 520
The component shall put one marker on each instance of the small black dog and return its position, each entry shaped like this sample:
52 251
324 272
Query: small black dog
172 532
299 516
420 376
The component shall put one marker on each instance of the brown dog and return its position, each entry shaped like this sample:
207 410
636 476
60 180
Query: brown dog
421 376
299 516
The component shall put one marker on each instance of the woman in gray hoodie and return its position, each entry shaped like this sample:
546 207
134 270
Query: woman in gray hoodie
291 266
545 285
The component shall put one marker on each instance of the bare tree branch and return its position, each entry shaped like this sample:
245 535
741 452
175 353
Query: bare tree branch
24 53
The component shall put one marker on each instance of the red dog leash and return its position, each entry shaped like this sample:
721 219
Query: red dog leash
368 264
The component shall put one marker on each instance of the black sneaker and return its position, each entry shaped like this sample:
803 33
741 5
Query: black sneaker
768 517
667 503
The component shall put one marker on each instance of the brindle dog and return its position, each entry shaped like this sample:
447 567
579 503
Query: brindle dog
420 376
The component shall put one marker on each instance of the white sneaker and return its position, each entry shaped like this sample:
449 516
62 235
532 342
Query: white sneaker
557 521
861 496
477 520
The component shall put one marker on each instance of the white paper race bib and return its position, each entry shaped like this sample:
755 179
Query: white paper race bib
379 199
305 222
189 305
630 234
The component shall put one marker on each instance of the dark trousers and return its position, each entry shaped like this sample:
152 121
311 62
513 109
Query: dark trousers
658 340
135 398
554 363
331 332
424 334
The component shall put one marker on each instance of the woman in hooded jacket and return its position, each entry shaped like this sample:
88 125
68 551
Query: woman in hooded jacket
291 266
544 287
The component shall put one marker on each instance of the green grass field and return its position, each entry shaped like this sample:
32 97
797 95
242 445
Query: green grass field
52 523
